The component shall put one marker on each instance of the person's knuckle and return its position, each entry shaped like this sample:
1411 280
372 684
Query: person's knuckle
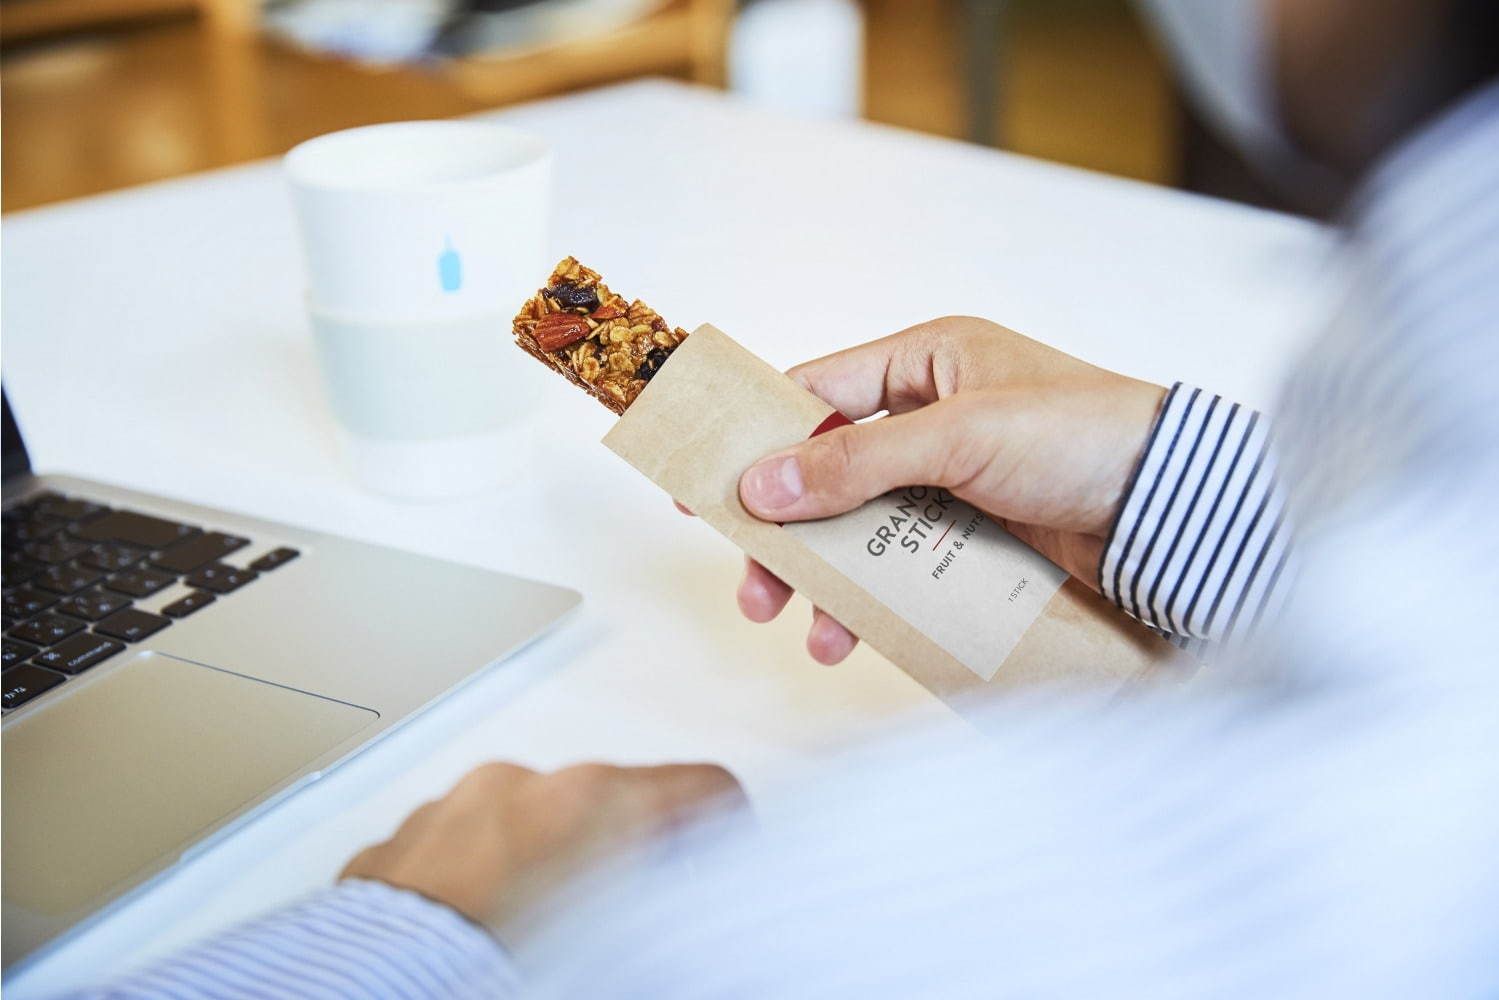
833 458
483 784
945 329
582 790
964 409
967 441
362 863
479 776
971 337
424 812
918 342
378 858
675 789
425 816
937 326
715 778
496 772
586 780
960 321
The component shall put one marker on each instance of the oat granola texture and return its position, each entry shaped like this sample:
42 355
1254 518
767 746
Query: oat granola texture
606 346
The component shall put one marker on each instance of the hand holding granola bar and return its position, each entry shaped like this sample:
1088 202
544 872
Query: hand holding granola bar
1030 438
1037 438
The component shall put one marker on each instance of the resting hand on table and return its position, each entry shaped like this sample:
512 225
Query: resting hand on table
506 836
1034 437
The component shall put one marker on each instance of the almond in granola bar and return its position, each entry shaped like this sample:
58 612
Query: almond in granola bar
605 345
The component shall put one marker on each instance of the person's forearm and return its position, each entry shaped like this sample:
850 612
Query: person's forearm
1201 548
356 939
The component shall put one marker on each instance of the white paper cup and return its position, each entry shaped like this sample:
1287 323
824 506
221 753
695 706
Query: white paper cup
422 220
428 409
422 239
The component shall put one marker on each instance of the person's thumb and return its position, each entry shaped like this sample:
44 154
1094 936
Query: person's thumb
837 471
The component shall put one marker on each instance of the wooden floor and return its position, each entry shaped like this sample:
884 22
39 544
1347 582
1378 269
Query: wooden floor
1079 83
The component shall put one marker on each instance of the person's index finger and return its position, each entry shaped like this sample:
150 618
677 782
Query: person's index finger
762 595
884 374
681 790
852 381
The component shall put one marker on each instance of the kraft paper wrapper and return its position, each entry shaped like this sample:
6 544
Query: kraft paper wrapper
715 408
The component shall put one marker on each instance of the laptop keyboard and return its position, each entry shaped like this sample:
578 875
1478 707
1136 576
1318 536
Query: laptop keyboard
75 570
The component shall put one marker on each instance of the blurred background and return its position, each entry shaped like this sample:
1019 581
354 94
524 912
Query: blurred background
103 94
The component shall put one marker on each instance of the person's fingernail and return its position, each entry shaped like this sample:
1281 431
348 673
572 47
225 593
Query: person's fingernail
774 483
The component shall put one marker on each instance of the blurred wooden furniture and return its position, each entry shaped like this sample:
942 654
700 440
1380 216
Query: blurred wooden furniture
102 110
983 26
95 110
682 37
23 19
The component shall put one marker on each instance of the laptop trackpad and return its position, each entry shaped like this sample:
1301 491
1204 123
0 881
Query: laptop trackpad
126 772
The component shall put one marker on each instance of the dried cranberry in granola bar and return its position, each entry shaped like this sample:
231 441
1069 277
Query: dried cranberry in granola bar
600 342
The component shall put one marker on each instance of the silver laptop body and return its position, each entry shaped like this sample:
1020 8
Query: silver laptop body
118 762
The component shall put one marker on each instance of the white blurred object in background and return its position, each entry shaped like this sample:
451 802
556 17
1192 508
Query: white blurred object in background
802 57
380 32
385 32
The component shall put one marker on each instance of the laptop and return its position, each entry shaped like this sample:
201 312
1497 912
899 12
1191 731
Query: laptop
171 669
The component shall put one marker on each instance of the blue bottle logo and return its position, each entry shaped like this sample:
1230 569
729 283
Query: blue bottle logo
449 266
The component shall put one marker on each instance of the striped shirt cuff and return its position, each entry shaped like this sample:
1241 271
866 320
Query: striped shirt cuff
1201 546
356 939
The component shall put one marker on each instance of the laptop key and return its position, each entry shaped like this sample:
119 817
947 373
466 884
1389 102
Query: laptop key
59 508
19 531
134 529
219 578
112 556
23 602
19 569
274 558
29 507
66 579
56 550
77 653
47 628
17 651
139 582
26 682
184 606
131 624
93 604
184 557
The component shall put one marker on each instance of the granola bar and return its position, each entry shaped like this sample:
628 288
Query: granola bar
603 345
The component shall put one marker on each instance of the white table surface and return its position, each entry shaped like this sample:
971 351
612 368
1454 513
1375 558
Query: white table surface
175 311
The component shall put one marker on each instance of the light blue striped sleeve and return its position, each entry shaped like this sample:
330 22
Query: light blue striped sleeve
1201 548
357 939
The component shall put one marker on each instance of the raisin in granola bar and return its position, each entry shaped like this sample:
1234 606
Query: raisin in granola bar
609 348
